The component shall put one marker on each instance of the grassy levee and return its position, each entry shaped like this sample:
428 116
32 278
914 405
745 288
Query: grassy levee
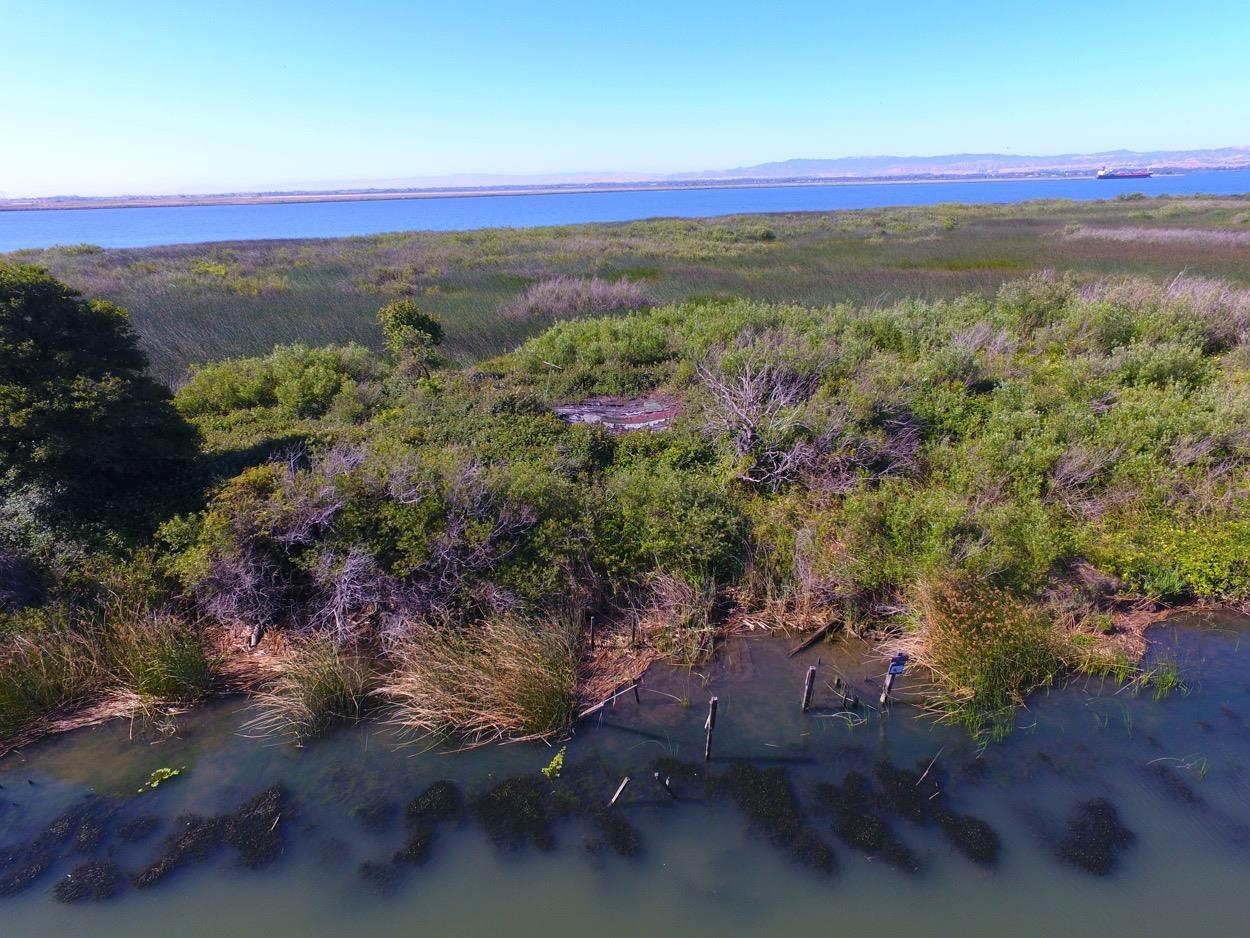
198 303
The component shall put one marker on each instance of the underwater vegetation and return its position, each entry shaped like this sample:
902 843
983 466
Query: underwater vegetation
766 797
94 879
858 825
1095 837
253 831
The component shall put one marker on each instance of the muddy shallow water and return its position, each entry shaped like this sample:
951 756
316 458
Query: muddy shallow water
1104 812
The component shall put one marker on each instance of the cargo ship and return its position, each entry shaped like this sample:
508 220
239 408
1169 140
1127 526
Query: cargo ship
1105 173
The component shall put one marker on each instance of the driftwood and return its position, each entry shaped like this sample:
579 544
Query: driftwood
813 638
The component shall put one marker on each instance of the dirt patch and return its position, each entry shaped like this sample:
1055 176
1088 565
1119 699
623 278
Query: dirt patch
622 415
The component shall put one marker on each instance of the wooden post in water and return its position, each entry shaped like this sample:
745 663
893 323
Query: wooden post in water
711 728
897 664
885 691
809 685
620 788
637 684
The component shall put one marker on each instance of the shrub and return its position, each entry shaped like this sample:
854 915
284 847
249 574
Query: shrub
77 410
568 297
298 380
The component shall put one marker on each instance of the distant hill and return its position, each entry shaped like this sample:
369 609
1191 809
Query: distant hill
976 164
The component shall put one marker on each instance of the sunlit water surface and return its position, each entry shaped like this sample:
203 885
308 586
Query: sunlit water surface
1177 771
142 227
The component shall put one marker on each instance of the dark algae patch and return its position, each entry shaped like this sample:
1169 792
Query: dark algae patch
94 880
859 826
516 813
196 839
137 829
919 797
767 799
253 831
1095 837
441 803
79 830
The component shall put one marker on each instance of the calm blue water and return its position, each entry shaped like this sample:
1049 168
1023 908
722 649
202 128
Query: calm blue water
141 227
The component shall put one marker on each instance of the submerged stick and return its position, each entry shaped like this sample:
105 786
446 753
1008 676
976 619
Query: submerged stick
603 703
620 788
711 728
667 782
809 685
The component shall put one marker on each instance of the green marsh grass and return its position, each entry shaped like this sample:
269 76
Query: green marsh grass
198 303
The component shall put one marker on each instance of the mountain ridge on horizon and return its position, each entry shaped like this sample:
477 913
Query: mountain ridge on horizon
799 168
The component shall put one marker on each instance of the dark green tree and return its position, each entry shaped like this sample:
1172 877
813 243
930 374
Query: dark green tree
77 410
412 336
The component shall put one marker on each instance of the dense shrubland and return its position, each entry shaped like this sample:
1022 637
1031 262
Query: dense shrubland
979 478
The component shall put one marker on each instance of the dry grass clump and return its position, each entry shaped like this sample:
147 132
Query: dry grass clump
320 684
564 297
1159 235
506 679
678 622
986 650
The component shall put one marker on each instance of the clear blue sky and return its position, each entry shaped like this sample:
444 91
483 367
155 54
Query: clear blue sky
107 96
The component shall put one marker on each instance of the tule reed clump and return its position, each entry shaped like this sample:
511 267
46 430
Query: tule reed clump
509 678
157 655
40 671
986 650
322 684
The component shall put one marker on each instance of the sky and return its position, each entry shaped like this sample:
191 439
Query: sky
106 98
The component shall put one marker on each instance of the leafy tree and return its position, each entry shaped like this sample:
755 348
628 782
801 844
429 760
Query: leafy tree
76 408
412 336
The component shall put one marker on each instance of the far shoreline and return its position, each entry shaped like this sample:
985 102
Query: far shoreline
59 203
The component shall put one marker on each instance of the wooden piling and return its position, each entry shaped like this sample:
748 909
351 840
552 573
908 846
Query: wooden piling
620 788
885 691
809 685
711 728
637 684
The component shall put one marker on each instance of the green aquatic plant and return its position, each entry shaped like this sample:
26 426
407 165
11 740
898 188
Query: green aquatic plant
553 768
161 775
